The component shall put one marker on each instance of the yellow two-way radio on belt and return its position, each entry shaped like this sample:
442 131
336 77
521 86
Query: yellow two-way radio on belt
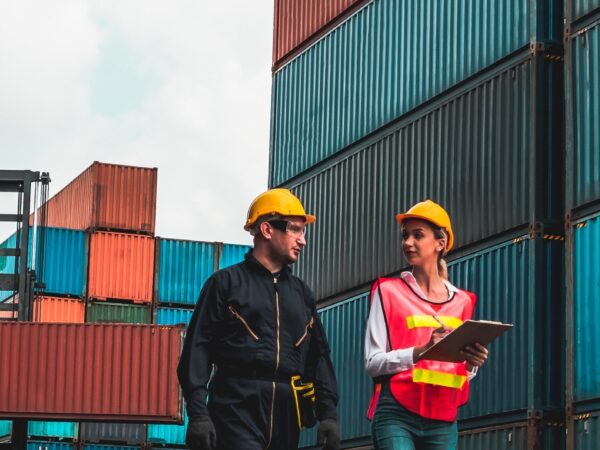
305 399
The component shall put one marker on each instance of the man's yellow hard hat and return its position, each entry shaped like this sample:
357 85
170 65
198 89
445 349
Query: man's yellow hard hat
432 212
276 202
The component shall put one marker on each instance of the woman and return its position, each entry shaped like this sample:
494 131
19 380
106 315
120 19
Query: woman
416 401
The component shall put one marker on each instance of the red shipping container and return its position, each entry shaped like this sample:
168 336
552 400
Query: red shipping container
299 23
90 372
121 267
107 196
58 309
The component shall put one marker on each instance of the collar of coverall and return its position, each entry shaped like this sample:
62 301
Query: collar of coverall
256 265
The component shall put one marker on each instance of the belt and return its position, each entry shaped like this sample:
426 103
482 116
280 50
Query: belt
252 373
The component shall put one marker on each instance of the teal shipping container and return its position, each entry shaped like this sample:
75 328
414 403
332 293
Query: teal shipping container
577 9
489 153
5 428
384 61
42 445
582 94
585 294
130 433
534 434
183 268
107 447
173 316
168 434
586 434
231 254
63 269
59 430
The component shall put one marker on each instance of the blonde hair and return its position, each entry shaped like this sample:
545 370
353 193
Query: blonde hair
440 233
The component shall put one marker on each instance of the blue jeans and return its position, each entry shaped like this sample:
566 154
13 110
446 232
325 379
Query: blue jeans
396 428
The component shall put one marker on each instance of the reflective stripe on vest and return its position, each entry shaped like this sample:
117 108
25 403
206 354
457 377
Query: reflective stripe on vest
439 378
427 321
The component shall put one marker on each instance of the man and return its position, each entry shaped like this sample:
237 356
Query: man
257 323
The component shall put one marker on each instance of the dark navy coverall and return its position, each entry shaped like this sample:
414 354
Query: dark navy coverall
258 329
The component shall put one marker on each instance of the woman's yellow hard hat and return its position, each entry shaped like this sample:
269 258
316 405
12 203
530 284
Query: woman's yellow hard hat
276 202
432 212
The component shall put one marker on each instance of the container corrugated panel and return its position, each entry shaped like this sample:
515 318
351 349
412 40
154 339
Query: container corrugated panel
472 149
536 434
107 196
64 268
61 430
108 447
296 21
183 268
168 434
586 286
88 371
41 445
344 325
518 283
583 115
173 316
232 254
5 428
587 432
99 312
57 309
121 267
580 8
116 432
383 62
7 266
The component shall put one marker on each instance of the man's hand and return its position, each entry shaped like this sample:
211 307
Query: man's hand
201 434
328 435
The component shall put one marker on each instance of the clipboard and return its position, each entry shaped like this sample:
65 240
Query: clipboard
470 331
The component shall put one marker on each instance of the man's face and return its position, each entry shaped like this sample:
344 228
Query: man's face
288 239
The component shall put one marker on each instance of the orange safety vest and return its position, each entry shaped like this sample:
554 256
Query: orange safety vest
432 389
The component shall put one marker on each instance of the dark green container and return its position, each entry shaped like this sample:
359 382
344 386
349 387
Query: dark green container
97 312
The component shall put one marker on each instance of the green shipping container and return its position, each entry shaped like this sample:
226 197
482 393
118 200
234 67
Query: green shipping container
97 312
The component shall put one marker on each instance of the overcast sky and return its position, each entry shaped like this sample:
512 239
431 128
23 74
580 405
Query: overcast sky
181 85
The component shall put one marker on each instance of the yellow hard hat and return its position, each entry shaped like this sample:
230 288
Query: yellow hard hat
433 213
276 202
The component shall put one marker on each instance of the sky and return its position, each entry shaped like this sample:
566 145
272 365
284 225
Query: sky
181 85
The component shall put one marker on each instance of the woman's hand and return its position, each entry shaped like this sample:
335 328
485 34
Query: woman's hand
475 355
436 335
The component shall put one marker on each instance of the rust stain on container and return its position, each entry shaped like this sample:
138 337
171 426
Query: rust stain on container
121 267
298 23
107 196
90 372
57 309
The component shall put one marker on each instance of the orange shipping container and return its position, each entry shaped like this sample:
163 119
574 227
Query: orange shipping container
121 267
107 196
57 309
70 371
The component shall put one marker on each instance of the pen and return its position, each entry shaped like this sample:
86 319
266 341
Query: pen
437 319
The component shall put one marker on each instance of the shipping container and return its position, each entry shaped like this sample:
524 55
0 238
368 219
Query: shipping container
58 430
128 433
230 254
533 434
583 293
102 312
386 60
57 309
582 64
585 431
109 197
173 316
298 23
489 153
121 267
108 447
63 269
5 428
90 372
41 445
8 265
168 434
182 269
577 9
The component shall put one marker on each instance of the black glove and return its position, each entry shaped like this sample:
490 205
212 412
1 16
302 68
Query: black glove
201 434
328 435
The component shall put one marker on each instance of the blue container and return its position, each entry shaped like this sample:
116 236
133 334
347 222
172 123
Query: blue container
583 117
41 445
579 8
173 316
232 254
64 264
62 430
587 431
168 434
108 447
5 428
586 293
390 57
344 325
183 268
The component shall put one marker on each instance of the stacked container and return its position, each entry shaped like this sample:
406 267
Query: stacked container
582 92
461 102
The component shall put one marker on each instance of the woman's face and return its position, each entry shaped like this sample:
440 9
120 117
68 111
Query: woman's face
419 244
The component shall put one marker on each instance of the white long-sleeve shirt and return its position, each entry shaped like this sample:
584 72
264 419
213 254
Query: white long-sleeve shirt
379 358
